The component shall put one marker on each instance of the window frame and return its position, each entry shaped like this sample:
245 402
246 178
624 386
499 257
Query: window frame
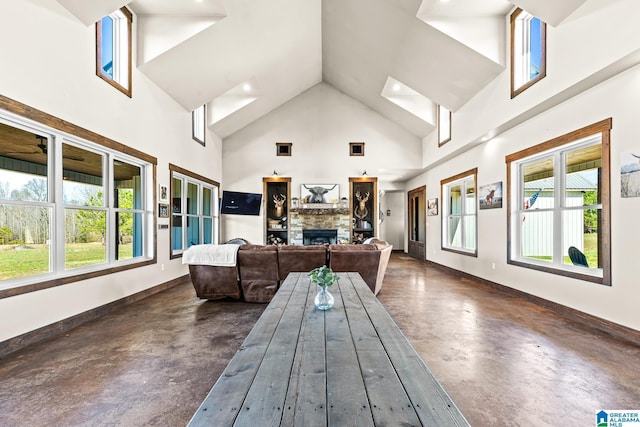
62 132
552 147
120 82
187 177
441 123
199 124
445 186
515 16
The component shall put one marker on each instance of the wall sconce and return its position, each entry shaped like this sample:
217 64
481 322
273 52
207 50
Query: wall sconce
364 172
274 173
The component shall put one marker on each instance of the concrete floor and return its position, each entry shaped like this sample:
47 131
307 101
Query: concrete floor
502 360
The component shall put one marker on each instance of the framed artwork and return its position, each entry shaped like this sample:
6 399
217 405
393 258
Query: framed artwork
283 148
163 194
490 196
432 207
163 210
320 193
356 148
630 174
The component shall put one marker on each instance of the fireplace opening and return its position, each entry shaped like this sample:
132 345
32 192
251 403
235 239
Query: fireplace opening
319 236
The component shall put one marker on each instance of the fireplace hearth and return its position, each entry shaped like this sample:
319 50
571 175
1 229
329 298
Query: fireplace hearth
319 236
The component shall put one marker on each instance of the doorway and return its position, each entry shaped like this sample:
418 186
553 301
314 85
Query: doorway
417 222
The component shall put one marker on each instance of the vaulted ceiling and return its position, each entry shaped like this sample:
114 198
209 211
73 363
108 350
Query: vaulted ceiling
244 58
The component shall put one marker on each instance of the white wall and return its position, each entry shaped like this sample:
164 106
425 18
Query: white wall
49 64
320 123
617 97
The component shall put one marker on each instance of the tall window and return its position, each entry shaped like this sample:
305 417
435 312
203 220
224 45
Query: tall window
199 123
195 210
444 125
528 51
459 222
559 205
113 49
69 208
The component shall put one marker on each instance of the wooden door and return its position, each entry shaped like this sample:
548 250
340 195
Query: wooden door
417 222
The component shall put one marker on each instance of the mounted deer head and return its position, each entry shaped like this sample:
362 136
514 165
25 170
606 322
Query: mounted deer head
278 201
361 211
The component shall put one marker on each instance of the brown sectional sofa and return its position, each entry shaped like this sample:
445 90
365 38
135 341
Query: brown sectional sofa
370 260
261 268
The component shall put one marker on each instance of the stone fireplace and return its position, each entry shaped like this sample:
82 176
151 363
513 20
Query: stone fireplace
319 236
336 220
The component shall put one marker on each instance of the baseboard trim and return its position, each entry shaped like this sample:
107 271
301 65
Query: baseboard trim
619 331
17 343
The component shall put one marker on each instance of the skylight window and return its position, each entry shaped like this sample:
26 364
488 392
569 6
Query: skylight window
233 100
528 51
113 49
405 97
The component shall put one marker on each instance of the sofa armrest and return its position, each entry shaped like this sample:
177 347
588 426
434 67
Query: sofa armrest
369 259
213 282
363 259
258 270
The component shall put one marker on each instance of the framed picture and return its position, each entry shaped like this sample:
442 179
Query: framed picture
630 174
320 193
490 195
163 194
163 210
432 207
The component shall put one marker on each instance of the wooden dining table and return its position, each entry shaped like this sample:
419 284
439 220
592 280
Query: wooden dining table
348 366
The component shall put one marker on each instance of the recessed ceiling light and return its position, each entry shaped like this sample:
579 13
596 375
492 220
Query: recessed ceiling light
396 87
246 87
199 1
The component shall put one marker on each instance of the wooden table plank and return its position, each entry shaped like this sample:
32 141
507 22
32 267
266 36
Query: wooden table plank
347 402
433 405
224 401
265 399
305 404
389 402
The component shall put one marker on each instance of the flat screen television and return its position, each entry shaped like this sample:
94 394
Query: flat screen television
238 203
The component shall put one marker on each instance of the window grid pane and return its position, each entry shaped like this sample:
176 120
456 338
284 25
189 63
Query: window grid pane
86 230
82 188
27 229
537 235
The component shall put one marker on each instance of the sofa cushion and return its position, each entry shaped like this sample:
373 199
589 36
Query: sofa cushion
300 259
